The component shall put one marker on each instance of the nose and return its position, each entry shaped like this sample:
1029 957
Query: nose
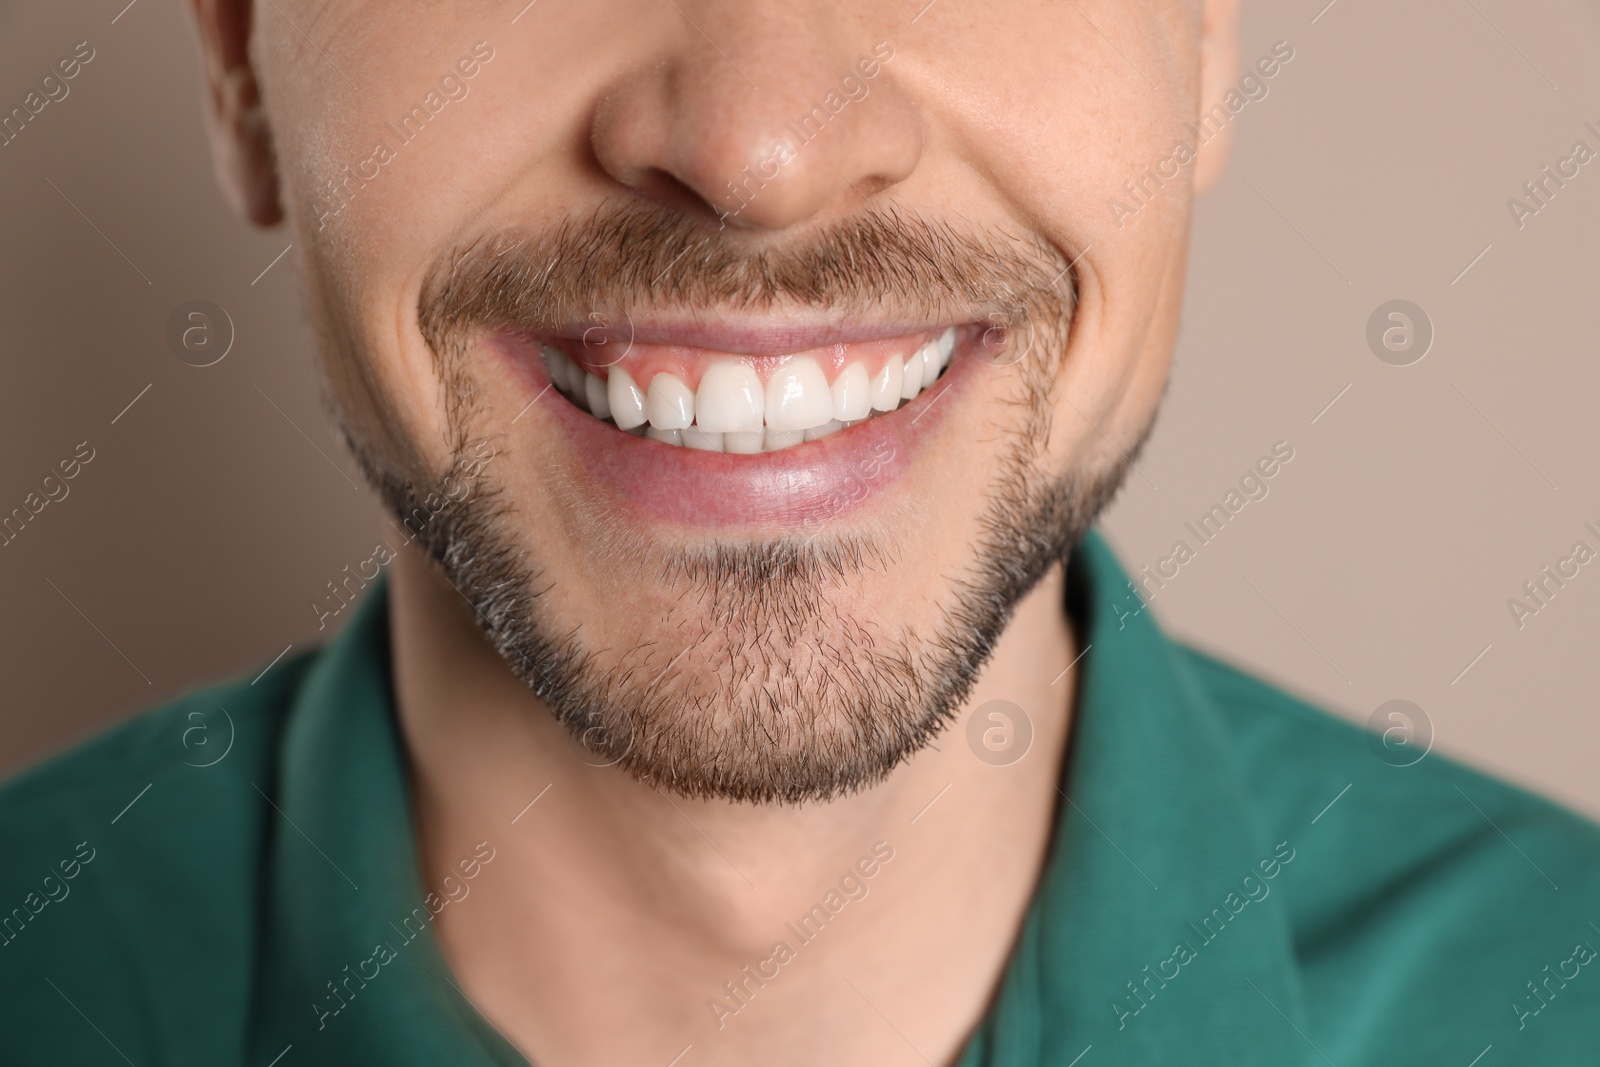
766 117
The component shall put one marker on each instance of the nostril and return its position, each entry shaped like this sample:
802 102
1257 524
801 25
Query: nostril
665 188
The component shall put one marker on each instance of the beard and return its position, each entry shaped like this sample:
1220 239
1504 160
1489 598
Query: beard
767 680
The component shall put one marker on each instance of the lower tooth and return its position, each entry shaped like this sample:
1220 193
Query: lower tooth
743 443
670 437
695 437
576 382
776 439
831 426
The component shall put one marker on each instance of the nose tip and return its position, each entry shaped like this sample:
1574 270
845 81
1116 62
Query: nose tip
768 149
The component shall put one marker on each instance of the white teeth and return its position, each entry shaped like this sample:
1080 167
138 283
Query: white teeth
705 440
671 437
913 379
930 363
730 398
594 391
669 403
571 379
776 439
557 362
732 411
625 399
742 443
886 386
852 393
798 397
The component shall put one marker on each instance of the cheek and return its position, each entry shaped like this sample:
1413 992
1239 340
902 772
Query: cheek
1131 276
1117 362
370 237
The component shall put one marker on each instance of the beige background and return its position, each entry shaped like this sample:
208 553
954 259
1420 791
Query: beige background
1378 567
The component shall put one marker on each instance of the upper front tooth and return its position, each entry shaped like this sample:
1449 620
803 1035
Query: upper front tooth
798 396
571 381
594 390
575 379
852 393
886 386
913 380
730 398
625 399
947 345
930 363
670 404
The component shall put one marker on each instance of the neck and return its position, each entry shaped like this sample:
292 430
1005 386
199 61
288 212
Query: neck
870 929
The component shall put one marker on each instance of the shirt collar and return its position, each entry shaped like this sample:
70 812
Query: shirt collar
1155 834
350 971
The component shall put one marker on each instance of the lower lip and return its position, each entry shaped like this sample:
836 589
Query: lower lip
806 485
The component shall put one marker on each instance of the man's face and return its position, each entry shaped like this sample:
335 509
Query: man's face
847 342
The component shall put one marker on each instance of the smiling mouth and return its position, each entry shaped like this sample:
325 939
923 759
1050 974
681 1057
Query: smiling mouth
759 427
745 404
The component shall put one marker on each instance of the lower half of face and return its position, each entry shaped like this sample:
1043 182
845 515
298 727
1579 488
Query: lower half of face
745 490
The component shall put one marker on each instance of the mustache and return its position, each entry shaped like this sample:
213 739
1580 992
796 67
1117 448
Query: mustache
641 259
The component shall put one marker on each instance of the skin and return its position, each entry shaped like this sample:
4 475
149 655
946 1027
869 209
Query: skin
610 900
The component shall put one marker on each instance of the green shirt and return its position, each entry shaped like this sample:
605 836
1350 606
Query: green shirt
1237 878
